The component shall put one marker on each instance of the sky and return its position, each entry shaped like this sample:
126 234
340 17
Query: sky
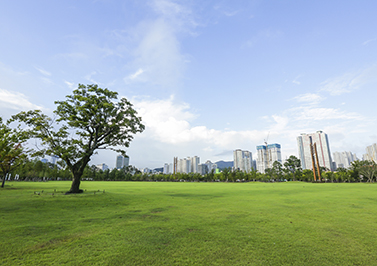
207 77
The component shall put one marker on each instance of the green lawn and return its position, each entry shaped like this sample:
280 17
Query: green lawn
160 223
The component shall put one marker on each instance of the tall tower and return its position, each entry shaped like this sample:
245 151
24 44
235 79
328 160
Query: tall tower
195 161
242 160
267 155
371 154
323 150
343 159
119 162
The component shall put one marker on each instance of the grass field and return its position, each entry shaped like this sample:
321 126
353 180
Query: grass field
158 223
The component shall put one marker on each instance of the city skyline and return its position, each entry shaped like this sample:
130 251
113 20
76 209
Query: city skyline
207 77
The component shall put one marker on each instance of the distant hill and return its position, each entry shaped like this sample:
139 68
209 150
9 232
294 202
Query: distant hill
222 164
161 169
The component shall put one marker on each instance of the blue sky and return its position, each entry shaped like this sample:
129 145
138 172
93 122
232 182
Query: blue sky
207 77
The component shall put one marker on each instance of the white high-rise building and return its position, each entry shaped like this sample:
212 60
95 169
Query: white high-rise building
343 159
242 160
171 168
195 161
102 166
267 155
371 154
166 169
323 150
184 165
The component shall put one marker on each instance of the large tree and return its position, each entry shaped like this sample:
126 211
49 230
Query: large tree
88 120
12 153
293 165
368 169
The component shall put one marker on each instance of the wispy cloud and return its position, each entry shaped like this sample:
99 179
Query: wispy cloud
71 85
226 10
231 13
349 82
42 71
156 48
266 34
16 101
295 81
89 77
134 76
369 41
309 98
322 113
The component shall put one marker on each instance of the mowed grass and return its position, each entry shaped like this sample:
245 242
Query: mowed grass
164 223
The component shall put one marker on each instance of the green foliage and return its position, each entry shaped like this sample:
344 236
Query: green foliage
368 169
12 153
293 166
89 120
34 170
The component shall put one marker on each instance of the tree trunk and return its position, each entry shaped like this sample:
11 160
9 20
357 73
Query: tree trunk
5 177
75 187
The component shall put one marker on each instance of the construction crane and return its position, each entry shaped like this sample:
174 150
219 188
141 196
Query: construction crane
267 154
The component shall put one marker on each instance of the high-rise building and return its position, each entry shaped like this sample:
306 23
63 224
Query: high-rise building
267 155
323 150
343 159
171 168
166 169
242 160
122 161
371 154
209 166
203 169
195 161
184 165
102 166
126 161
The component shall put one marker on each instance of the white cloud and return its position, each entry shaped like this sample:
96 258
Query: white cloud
16 101
349 82
159 54
156 48
47 80
368 41
295 81
264 35
170 122
310 98
137 73
89 77
321 113
71 85
43 72
226 10
134 76
231 13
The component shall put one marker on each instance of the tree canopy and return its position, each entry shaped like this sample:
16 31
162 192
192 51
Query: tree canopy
87 121
12 153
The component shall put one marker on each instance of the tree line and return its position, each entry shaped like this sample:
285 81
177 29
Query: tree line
360 171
